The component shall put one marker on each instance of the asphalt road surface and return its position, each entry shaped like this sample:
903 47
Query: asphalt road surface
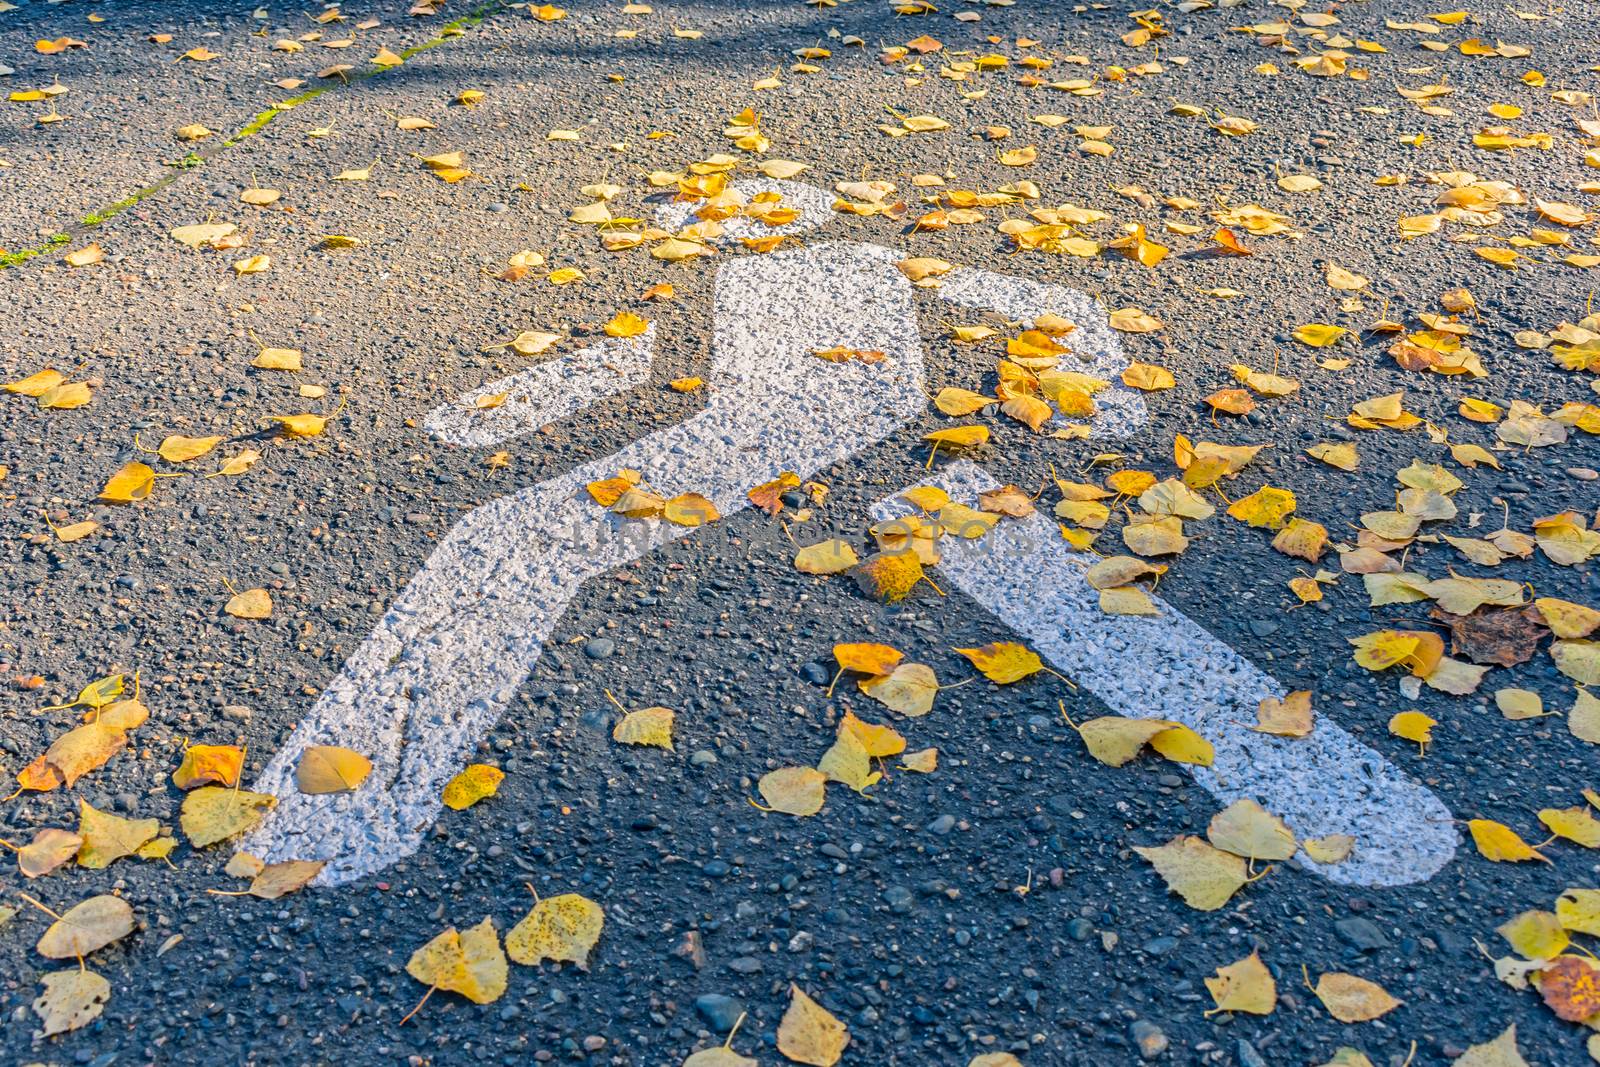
445 591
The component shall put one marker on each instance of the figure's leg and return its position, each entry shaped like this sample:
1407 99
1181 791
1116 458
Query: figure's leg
438 671
442 665
1168 667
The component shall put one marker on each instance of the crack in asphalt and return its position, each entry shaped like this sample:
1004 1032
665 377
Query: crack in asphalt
195 160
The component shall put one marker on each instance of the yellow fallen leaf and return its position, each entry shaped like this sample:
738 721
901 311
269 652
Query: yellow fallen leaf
889 576
472 784
1205 877
1499 843
86 256
920 269
66 397
1413 726
280 879
1566 619
1338 277
1334 848
1114 740
203 764
1353 1000
1319 334
108 837
909 689
330 769
157 849
134 481
36 384
1245 985
794 790
689 509
563 928
204 233
1246 829
237 465
647 726
177 448
1004 662
75 531
720 1055
1267 507
1578 660
676 250
1536 935
72 998
626 324
1517 704
86 927
213 813
49 849
301 427
1340 454
1289 717
1573 824
635 503
1177 742
87 747
1134 320
849 763
834 556
250 604
277 359
809 1033
470 963
1147 377
958 402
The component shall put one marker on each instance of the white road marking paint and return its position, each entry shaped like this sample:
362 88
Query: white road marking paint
1169 667
442 665
547 392
431 680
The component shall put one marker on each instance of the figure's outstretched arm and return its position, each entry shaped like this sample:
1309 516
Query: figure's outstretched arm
545 393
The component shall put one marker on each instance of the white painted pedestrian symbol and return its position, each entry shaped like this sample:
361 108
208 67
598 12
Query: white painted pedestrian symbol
445 661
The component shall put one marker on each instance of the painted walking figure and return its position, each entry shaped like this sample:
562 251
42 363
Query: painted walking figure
447 658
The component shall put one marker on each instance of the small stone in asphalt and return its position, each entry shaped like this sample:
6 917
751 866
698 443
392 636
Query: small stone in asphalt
942 825
815 673
1149 1038
1362 933
720 1012
1159 946
899 899
1248 1056
600 648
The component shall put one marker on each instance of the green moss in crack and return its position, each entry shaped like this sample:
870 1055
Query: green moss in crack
22 255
